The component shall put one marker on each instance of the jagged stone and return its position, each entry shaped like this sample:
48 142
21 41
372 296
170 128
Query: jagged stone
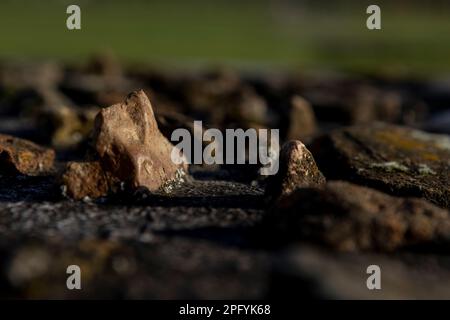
131 147
297 169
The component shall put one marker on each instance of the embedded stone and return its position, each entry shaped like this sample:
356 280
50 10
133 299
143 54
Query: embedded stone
85 179
349 217
394 159
24 157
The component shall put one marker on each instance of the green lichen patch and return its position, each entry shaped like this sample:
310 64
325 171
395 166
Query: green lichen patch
390 166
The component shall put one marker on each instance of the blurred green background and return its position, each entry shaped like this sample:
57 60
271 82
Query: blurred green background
415 35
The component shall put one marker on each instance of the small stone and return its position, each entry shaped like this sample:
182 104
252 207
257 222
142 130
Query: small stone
297 169
101 82
355 102
224 99
246 108
65 124
85 179
130 145
394 159
349 217
342 102
204 92
105 63
23 156
33 101
20 75
169 121
302 119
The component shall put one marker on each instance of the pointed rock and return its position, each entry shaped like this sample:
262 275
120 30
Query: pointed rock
131 147
297 169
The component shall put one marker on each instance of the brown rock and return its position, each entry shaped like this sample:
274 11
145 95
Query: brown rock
131 147
223 99
71 125
59 121
349 217
205 92
246 108
302 119
170 120
85 179
342 102
397 160
34 101
23 156
297 169
101 82
105 63
19 75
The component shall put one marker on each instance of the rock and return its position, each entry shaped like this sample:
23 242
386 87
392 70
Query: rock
247 109
353 102
94 89
105 63
20 75
131 147
345 103
59 121
85 179
68 126
393 159
222 99
394 106
102 82
32 101
170 120
23 156
204 92
297 169
302 119
349 217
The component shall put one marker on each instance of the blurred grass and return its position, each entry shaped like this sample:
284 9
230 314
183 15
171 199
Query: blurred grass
244 33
